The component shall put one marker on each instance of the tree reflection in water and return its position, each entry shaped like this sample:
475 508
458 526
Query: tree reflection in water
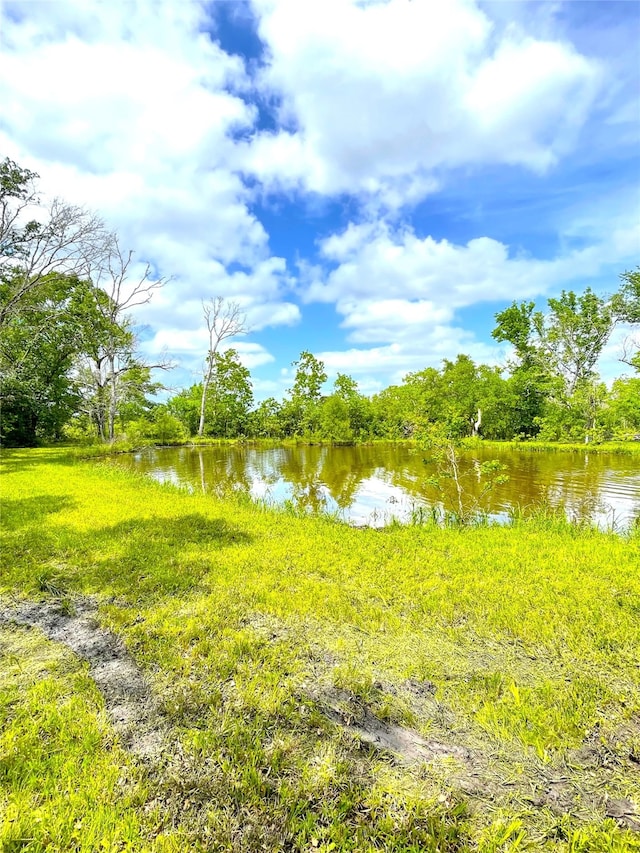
377 482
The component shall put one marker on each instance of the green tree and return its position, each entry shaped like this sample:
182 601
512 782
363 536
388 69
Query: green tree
310 376
529 384
113 373
495 404
464 397
555 376
626 301
39 349
520 325
459 396
224 320
345 414
230 397
624 407
185 406
40 245
300 411
266 420
335 423
395 410
576 331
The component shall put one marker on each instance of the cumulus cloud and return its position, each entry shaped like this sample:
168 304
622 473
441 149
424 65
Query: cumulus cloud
398 293
374 367
131 109
393 266
378 98
135 110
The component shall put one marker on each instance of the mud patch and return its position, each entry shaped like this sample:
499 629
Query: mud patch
128 700
579 783
625 813
405 744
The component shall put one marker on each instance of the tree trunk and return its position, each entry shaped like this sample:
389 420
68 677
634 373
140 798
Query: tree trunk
113 399
203 402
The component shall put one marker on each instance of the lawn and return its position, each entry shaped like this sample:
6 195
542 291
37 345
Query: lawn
499 666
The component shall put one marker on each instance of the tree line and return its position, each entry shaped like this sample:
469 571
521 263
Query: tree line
68 346
70 366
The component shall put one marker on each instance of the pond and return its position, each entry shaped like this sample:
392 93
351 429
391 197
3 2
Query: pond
372 484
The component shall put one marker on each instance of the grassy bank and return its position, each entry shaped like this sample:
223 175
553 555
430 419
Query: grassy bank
623 447
264 635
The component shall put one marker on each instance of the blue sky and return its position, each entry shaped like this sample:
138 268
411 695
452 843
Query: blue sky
372 181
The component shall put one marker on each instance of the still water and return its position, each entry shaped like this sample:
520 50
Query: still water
370 485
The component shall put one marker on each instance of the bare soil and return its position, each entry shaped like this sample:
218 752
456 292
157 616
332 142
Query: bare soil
576 783
128 700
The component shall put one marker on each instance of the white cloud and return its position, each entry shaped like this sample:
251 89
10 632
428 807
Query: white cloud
134 110
398 293
393 361
381 96
130 109
381 262
391 319
251 354
187 350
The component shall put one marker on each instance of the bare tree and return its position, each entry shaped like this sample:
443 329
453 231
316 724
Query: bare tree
111 272
631 352
224 320
36 241
113 365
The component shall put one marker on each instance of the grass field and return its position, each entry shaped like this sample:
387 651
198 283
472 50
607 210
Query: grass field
273 642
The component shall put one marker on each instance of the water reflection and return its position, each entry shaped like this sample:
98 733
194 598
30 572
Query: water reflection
373 484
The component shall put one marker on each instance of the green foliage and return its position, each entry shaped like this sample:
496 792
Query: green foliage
345 415
577 330
230 397
622 415
310 376
517 325
266 420
14 181
627 301
228 400
39 351
555 386
394 411
16 191
301 410
67 345
161 428
334 419
185 406
451 479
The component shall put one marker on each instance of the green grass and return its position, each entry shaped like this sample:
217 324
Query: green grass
520 644
533 446
64 783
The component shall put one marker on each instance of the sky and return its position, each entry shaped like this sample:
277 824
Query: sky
372 180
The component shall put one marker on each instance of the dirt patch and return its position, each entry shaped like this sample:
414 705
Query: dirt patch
128 700
578 783
573 785
625 813
342 708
